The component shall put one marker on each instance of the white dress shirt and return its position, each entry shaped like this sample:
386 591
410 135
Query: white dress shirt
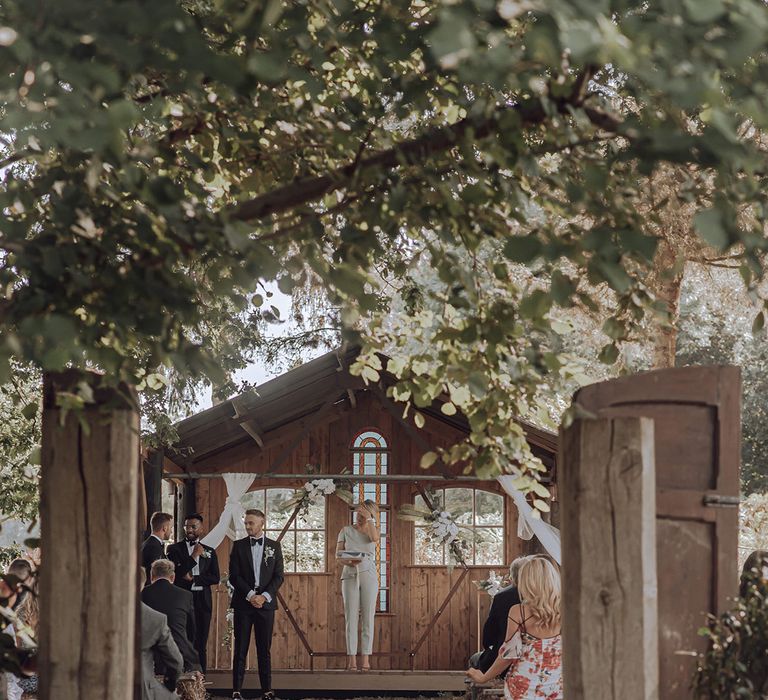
257 554
196 569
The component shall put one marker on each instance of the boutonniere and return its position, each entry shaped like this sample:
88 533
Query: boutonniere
206 554
269 553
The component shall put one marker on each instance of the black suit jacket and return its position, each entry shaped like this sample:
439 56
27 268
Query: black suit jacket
241 574
209 570
151 550
495 627
176 604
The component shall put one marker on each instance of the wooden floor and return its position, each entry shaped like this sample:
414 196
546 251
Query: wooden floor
318 681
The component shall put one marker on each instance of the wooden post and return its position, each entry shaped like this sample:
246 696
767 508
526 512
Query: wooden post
89 508
608 515
153 485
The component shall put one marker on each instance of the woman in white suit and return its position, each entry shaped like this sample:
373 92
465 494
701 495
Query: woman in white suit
359 581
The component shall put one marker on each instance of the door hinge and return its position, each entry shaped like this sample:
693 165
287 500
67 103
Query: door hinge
716 500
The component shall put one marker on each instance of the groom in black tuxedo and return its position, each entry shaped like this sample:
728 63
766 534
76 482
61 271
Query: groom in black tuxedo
197 569
256 572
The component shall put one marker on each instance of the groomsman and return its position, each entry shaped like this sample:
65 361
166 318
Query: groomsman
197 569
256 572
153 548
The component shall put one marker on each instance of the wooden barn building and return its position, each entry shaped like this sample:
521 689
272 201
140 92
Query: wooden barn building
315 420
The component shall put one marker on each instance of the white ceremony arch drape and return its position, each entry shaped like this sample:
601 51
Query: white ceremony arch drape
231 521
527 525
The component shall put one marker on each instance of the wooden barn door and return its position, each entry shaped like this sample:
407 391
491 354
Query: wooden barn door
696 412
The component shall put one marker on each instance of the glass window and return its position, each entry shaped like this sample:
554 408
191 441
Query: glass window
482 512
370 455
304 542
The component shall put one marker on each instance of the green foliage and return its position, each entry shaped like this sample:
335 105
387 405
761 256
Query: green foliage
20 430
165 165
736 663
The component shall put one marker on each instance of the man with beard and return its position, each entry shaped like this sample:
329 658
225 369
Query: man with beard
197 569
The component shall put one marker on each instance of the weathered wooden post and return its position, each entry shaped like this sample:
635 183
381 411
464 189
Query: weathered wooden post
608 517
89 494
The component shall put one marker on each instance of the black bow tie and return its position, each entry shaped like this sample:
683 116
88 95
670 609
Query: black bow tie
259 540
191 543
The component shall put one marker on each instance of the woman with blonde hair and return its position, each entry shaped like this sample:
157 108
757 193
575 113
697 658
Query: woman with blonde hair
533 648
356 551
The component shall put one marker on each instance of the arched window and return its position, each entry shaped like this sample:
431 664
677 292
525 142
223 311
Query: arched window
370 455
304 542
482 512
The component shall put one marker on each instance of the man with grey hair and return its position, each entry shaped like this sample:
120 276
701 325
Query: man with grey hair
157 645
495 627
176 604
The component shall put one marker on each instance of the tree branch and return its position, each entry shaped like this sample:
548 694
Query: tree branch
410 152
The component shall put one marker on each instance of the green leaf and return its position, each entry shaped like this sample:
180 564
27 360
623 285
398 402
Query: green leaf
704 11
30 410
709 225
418 418
609 354
535 305
427 460
758 324
523 249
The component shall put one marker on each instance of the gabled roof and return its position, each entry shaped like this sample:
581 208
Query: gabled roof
317 385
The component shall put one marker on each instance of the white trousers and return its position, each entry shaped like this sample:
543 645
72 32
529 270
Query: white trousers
360 593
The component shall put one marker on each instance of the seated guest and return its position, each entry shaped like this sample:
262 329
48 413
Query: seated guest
755 569
496 624
532 649
157 642
176 604
16 594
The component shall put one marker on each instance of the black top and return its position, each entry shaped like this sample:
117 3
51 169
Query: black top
209 571
152 549
176 604
242 577
495 627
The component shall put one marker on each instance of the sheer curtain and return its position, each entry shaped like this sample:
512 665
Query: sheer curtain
527 525
231 521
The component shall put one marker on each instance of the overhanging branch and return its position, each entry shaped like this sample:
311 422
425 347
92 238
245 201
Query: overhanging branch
411 152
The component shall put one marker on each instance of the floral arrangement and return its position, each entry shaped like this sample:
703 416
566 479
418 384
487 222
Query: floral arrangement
313 492
493 584
228 636
441 529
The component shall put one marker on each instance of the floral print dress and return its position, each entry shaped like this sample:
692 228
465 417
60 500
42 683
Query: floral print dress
537 671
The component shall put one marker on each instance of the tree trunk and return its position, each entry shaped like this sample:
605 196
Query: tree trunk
89 499
665 281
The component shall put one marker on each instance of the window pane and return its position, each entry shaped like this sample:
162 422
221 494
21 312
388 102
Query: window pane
458 502
254 499
310 551
489 545
289 549
489 508
427 553
277 518
314 519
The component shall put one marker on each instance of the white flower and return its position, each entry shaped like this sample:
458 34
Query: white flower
206 553
269 552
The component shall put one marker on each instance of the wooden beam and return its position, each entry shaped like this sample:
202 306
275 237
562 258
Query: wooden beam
608 515
89 504
248 424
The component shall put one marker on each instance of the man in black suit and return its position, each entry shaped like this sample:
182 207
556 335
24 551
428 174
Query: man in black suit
256 572
197 569
153 548
176 604
495 627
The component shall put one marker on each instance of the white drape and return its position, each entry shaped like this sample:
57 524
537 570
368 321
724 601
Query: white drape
231 521
527 525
